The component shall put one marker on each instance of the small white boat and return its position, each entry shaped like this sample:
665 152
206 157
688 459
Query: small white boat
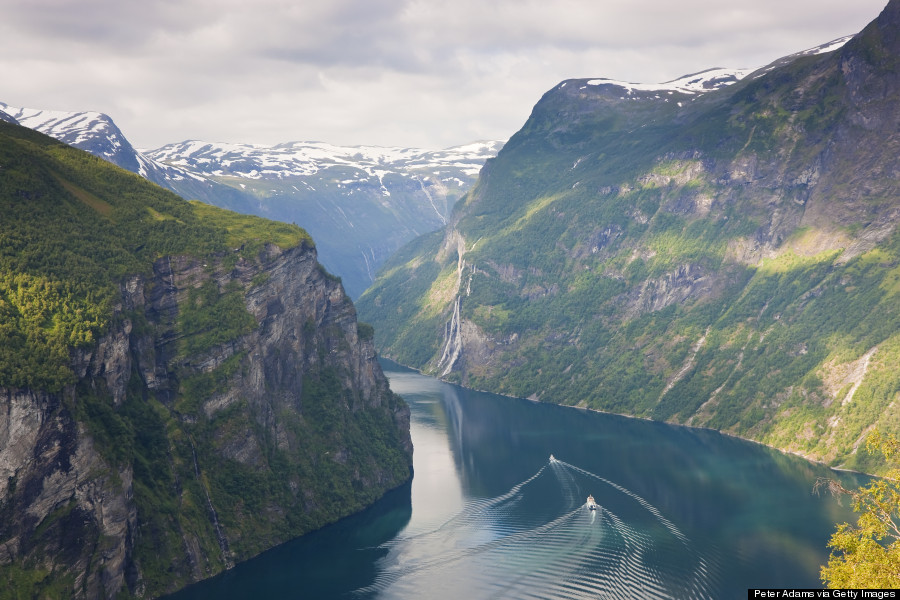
591 504
552 458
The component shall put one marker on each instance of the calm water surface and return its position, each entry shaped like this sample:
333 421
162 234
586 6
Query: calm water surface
682 513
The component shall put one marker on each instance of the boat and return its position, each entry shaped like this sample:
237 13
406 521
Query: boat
552 458
591 504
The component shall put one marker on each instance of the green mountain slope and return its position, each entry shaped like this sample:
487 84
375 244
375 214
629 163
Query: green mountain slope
72 229
728 259
181 387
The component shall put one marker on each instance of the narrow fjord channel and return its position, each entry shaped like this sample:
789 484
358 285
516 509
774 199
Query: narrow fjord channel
681 513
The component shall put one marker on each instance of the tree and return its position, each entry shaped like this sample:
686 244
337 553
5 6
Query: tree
867 555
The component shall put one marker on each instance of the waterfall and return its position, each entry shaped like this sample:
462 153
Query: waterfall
453 329
453 347
213 517
431 200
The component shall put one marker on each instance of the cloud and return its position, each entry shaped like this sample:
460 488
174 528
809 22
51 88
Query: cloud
122 25
401 72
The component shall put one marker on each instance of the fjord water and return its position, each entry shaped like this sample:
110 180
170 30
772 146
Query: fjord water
683 513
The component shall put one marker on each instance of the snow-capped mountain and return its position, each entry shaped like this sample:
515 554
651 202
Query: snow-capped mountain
98 134
695 83
7 118
359 203
90 131
700 83
303 159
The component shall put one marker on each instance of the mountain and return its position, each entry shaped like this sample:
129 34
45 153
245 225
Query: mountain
359 203
181 387
724 256
98 134
91 131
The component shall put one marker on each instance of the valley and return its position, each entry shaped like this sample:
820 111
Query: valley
193 345
681 512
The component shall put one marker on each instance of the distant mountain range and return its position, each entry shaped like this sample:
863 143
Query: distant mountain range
359 203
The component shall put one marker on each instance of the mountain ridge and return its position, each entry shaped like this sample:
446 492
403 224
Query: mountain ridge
681 260
359 203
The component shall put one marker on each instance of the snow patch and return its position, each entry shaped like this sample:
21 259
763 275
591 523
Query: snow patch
696 83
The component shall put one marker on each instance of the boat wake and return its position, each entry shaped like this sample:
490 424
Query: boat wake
539 540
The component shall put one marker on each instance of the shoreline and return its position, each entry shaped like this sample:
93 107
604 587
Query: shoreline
605 412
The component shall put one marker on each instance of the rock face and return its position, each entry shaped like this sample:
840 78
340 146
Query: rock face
706 256
63 505
181 450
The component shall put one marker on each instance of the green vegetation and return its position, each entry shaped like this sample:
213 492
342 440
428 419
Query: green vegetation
693 264
288 492
772 335
34 583
251 232
867 555
396 304
365 331
209 317
224 475
71 227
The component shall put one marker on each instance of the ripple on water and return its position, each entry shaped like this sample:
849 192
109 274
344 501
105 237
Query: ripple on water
503 547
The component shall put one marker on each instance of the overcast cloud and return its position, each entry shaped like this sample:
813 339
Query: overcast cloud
424 73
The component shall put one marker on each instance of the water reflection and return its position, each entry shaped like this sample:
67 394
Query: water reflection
328 563
683 513
743 512
436 489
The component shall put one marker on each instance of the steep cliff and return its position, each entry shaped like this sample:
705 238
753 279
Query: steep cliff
724 258
181 387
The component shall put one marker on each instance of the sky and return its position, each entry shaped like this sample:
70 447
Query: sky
411 73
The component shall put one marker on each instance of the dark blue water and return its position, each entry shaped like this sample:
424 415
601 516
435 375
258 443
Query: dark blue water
682 513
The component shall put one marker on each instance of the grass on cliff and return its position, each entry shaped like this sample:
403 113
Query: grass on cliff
71 227
773 336
19 583
249 231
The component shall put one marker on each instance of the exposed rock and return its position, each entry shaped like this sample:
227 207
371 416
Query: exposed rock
63 504
70 505
686 283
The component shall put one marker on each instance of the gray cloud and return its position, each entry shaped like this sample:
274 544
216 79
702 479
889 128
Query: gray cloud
121 25
391 72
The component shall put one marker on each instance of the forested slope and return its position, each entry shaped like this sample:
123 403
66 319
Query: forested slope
726 259
181 387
